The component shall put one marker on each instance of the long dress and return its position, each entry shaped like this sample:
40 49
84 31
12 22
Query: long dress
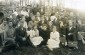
35 38
54 41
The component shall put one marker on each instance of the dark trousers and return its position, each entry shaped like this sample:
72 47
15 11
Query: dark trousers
9 45
1 40
21 43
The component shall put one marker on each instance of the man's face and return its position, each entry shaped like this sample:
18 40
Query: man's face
5 22
70 23
44 27
10 24
21 24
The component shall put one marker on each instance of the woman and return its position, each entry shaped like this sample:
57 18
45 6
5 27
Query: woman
34 36
54 40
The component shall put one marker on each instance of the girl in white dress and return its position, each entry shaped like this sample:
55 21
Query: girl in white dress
54 40
34 36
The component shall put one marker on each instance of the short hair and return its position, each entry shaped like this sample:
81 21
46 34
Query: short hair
1 14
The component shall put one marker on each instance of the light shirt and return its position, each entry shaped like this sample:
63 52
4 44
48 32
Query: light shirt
52 18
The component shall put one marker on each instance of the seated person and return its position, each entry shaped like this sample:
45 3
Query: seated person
81 36
71 32
62 31
44 32
4 28
9 38
10 33
21 35
54 40
34 36
71 35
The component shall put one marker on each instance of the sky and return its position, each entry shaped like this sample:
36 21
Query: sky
74 4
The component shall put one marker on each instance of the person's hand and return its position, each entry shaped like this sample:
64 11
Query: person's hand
69 33
23 38
63 35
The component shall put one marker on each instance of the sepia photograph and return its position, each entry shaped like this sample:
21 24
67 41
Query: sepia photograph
42 27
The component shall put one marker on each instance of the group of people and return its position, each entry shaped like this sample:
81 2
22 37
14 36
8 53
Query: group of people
23 28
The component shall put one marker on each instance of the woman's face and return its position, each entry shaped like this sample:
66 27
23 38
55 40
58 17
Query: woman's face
38 14
61 24
35 27
54 28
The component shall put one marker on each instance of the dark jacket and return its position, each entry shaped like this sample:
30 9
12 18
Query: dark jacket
72 35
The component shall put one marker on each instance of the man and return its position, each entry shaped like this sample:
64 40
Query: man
10 32
71 35
9 38
21 35
44 32
43 21
2 30
1 27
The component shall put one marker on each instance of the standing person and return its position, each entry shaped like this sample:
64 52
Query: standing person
34 36
54 40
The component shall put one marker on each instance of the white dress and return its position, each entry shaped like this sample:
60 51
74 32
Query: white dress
54 40
35 38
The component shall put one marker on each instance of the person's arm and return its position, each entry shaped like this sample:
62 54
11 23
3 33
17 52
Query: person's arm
1 30
37 33
57 36
51 35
